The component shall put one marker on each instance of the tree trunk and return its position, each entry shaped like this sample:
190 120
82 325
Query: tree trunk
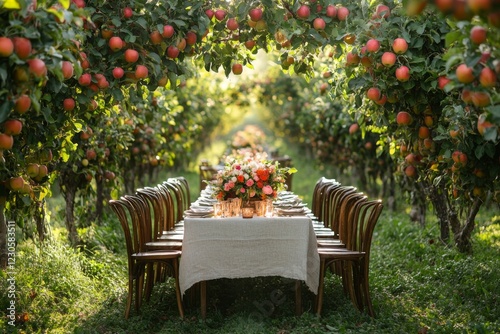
3 235
463 237
40 220
440 204
99 206
68 185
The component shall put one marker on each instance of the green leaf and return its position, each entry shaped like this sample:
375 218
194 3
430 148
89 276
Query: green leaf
64 3
452 37
4 110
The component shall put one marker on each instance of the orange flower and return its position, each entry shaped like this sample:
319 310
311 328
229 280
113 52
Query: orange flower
263 174
241 178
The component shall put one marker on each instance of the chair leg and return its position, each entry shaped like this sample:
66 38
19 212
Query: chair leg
130 296
319 296
366 290
298 298
177 288
149 280
203 299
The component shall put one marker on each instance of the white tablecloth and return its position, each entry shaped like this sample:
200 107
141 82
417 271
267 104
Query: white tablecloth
261 246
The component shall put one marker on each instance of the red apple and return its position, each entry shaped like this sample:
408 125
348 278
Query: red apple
342 13
232 24
319 23
16 183
6 47
42 172
403 118
373 94
173 51
388 59
483 124
443 81
115 43
353 128
90 154
480 99
250 44
141 72
155 37
428 120
444 6
67 69
118 72
382 100
69 104
85 79
459 157
255 14
168 31
6 141
352 59
181 44
411 171
423 132
372 45
127 12
403 73
37 67
494 19
477 6
22 47
382 11
464 73
478 35
131 55
210 13
487 78
32 169
399 45
22 104
466 96
303 12
331 11
237 69
191 38
13 127
220 14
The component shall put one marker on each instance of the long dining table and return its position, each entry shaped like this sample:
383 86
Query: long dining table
236 247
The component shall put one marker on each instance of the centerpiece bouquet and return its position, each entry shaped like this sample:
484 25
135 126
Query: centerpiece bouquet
249 176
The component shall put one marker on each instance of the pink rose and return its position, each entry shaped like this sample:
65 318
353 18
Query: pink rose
268 190
249 183
242 190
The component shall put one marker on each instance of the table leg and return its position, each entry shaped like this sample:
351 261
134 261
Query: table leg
203 301
298 298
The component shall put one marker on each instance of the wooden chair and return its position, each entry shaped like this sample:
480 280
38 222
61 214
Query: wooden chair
317 203
138 257
355 258
161 210
185 190
207 173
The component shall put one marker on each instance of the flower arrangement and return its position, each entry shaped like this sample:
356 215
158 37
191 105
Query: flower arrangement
249 176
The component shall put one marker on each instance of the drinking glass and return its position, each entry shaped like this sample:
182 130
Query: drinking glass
269 207
218 210
260 208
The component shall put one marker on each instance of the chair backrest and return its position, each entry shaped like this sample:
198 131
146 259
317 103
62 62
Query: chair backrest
179 206
335 201
141 220
152 196
318 196
365 216
121 208
183 183
168 199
